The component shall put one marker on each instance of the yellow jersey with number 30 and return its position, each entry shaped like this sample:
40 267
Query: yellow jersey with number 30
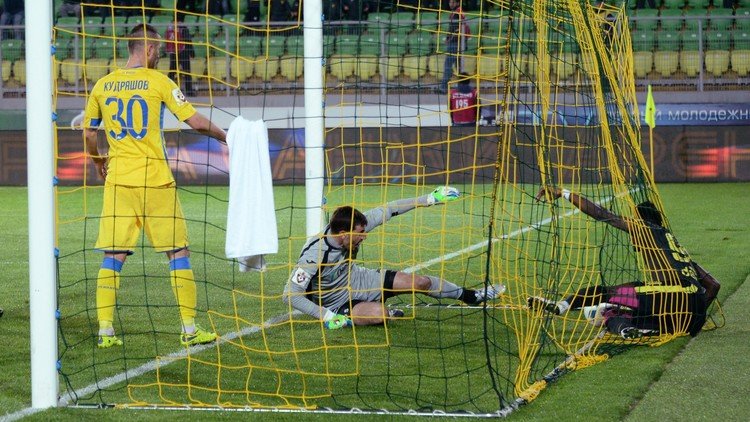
130 103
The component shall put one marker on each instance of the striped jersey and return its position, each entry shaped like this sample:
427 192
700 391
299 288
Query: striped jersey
130 104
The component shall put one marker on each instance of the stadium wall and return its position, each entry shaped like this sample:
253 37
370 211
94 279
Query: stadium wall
682 153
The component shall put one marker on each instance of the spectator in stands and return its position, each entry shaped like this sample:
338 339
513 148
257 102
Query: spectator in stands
132 7
187 6
456 43
69 8
252 14
279 11
333 11
355 10
640 4
219 7
13 11
180 52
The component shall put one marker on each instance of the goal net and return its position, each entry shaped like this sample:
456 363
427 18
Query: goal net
549 100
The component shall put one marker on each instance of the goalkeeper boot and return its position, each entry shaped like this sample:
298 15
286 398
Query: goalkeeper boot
631 333
395 313
544 304
106 342
476 297
200 336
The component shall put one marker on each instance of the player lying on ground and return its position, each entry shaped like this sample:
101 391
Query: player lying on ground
327 284
139 188
670 301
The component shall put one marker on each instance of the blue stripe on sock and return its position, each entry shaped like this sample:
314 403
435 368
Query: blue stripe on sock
110 263
179 264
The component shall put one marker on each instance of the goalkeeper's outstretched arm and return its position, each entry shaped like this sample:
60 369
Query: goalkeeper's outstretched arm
381 215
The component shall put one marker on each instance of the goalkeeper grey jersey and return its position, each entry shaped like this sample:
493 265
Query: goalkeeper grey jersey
320 280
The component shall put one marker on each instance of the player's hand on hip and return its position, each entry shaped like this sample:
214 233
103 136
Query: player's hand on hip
443 194
339 321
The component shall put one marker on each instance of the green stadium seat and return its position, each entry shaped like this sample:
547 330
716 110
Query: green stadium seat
6 69
694 18
162 22
690 62
674 4
196 24
415 67
742 19
402 22
647 19
66 28
720 21
427 21
419 44
741 40
117 26
213 27
295 45
275 45
369 44
249 46
690 40
671 19
62 49
717 62
699 4
668 41
91 25
472 45
267 68
329 45
366 67
643 62
342 66
475 24
347 45
666 63
643 40
121 51
396 44
105 48
496 45
12 49
221 46
291 67
718 40
377 21
230 25
496 26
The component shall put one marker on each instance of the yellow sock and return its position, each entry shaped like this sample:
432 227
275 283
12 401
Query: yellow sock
183 286
107 283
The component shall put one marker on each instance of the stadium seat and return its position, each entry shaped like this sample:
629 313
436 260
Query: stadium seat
647 19
6 68
198 66
329 45
249 46
342 65
291 67
377 21
396 44
419 44
426 21
643 40
117 26
668 41
717 62
66 27
62 49
666 63
91 25
643 61
740 61
267 68
121 50
670 19
718 40
742 19
95 69
674 4
240 69
720 21
104 48
496 26
392 67
415 67
119 64
19 71
699 4
490 66
162 22
690 62
436 65
369 44
469 64
475 25
71 71
347 45
366 67
295 45
12 49
275 45
401 22
695 18
217 68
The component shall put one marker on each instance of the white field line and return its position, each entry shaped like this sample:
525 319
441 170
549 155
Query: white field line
151 366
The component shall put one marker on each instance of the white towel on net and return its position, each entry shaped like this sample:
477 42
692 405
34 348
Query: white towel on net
251 217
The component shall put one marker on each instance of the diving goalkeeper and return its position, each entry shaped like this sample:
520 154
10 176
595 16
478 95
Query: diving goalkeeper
139 188
672 300
328 285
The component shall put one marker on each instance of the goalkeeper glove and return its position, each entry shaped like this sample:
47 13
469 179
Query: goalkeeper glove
443 194
339 321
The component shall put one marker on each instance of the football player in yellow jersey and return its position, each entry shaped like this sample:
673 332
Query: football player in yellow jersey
139 190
